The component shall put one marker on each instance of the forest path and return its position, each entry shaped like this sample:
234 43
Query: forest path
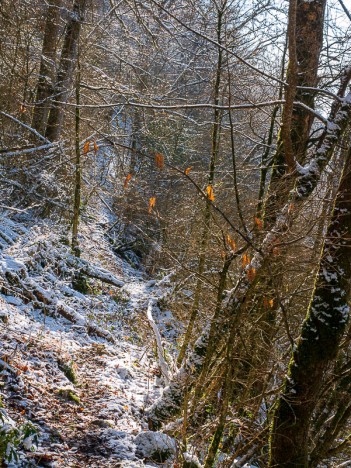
85 395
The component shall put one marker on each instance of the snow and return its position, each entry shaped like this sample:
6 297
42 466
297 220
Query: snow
151 445
95 333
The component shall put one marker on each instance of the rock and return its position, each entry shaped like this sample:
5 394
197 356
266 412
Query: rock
154 446
191 461
4 317
103 423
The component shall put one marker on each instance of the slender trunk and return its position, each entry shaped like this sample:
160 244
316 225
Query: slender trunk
65 72
223 409
207 216
319 341
78 174
47 68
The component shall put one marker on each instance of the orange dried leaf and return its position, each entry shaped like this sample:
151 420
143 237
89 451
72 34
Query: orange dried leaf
127 180
251 273
291 208
275 251
152 202
187 170
259 223
86 147
160 160
95 146
271 302
210 193
231 242
22 109
245 260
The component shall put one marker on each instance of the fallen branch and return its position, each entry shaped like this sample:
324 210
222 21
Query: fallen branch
93 271
160 352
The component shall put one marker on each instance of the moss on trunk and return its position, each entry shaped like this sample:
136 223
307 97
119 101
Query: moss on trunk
319 341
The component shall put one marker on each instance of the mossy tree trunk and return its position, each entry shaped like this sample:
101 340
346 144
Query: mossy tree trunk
319 341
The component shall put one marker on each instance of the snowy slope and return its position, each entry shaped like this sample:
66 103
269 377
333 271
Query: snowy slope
80 367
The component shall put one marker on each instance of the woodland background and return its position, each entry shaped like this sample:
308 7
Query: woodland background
216 134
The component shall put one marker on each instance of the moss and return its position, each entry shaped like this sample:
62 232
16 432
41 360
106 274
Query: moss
68 370
80 282
64 240
69 395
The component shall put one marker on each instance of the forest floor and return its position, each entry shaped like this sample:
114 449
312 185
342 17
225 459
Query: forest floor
71 398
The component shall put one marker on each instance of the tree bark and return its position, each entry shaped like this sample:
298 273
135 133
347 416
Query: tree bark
78 173
319 341
47 67
65 73
304 50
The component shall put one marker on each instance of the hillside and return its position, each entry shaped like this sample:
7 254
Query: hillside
77 369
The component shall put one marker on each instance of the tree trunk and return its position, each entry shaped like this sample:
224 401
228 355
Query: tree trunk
319 341
65 72
47 67
207 214
302 72
78 173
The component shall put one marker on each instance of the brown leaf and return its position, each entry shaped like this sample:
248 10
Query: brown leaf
86 147
160 160
245 260
251 273
276 251
187 170
127 180
267 303
210 193
259 223
152 202
95 146
231 243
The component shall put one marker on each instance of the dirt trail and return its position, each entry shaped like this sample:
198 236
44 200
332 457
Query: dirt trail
84 395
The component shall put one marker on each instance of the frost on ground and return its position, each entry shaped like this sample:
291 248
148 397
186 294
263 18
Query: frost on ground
77 358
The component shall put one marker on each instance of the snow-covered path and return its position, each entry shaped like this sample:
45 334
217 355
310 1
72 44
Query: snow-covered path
84 395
